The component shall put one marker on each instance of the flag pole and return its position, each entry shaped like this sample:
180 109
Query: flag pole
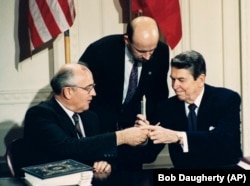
67 46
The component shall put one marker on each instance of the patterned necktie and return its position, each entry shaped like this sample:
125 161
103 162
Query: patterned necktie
192 117
77 124
133 80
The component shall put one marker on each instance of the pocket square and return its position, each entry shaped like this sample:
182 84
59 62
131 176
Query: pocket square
211 128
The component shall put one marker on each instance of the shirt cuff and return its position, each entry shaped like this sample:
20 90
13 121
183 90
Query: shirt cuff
184 142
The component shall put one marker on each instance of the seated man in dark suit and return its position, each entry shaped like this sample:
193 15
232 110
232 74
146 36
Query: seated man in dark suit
50 131
214 140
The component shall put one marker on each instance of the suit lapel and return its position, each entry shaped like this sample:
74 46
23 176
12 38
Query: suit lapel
118 66
65 121
146 74
90 123
175 114
182 115
206 106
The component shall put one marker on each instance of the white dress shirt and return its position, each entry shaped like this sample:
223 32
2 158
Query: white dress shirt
129 61
183 135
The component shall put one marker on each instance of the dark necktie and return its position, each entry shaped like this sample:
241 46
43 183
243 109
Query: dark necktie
192 117
133 79
77 125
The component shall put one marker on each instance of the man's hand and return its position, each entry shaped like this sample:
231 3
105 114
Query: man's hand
132 136
102 167
141 121
159 134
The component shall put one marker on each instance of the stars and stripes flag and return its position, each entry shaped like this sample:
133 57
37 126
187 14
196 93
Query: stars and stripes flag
166 13
48 18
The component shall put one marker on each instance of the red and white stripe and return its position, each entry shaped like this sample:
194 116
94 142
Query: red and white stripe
49 18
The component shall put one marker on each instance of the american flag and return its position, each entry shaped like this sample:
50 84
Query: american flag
48 18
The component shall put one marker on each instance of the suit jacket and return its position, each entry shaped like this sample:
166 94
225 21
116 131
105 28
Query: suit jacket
105 58
51 134
217 141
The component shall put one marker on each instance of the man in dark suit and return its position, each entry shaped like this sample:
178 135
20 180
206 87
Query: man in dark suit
110 60
215 140
51 133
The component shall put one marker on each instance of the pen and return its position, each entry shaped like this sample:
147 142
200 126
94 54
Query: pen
143 106
157 124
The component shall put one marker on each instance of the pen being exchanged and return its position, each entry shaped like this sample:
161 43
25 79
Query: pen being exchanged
142 121
156 133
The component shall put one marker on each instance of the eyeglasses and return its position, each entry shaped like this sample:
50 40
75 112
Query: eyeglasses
87 88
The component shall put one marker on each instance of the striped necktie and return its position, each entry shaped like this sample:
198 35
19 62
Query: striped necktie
133 80
77 124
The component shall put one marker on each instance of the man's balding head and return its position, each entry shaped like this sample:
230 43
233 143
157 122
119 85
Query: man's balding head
142 37
142 27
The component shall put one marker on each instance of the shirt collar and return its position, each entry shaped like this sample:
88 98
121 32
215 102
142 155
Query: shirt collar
197 102
128 55
68 112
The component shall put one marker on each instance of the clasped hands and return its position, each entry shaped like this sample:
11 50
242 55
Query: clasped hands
102 169
156 133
